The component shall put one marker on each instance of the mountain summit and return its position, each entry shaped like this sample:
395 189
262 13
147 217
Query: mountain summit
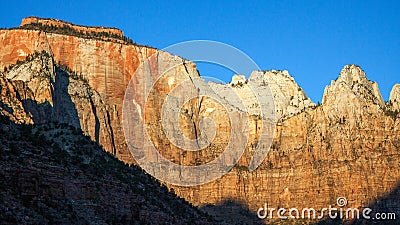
56 72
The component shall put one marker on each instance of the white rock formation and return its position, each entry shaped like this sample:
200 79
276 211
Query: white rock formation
289 99
394 98
352 95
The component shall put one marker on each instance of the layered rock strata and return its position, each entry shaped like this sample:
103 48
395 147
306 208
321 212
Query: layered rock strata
60 23
348 146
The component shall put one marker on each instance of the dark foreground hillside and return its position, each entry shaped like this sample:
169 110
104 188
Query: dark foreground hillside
52 174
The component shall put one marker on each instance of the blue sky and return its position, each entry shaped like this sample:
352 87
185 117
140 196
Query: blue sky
313 40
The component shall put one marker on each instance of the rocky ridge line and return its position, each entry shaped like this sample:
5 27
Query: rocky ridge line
317 154
60 23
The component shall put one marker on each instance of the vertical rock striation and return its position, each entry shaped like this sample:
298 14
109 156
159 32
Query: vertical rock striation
394 99
348 146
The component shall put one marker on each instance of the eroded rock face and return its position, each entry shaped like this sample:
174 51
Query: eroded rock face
394 98
52 174
60 23
10 105
107 65
318 153
353 93
288 96
39 91
321 154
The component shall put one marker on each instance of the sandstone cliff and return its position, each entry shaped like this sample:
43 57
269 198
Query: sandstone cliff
352 93
321 154
52 174
107 65
394 99
348 146
41 91
288 96
54 22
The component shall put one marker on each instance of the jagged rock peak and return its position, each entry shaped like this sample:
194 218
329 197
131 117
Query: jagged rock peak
354 76
38 64
352 88
394 98
395 93
238 80
278 74
351 74
248 91
289 97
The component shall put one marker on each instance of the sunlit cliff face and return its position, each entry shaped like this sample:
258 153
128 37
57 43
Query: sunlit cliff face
348 146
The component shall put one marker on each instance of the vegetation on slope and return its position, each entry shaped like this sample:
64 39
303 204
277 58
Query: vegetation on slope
67 30
53 174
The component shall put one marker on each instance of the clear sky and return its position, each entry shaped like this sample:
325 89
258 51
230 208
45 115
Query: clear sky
313 40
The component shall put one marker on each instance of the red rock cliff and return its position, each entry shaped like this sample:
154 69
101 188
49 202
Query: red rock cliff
107 65
60 23
346 147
